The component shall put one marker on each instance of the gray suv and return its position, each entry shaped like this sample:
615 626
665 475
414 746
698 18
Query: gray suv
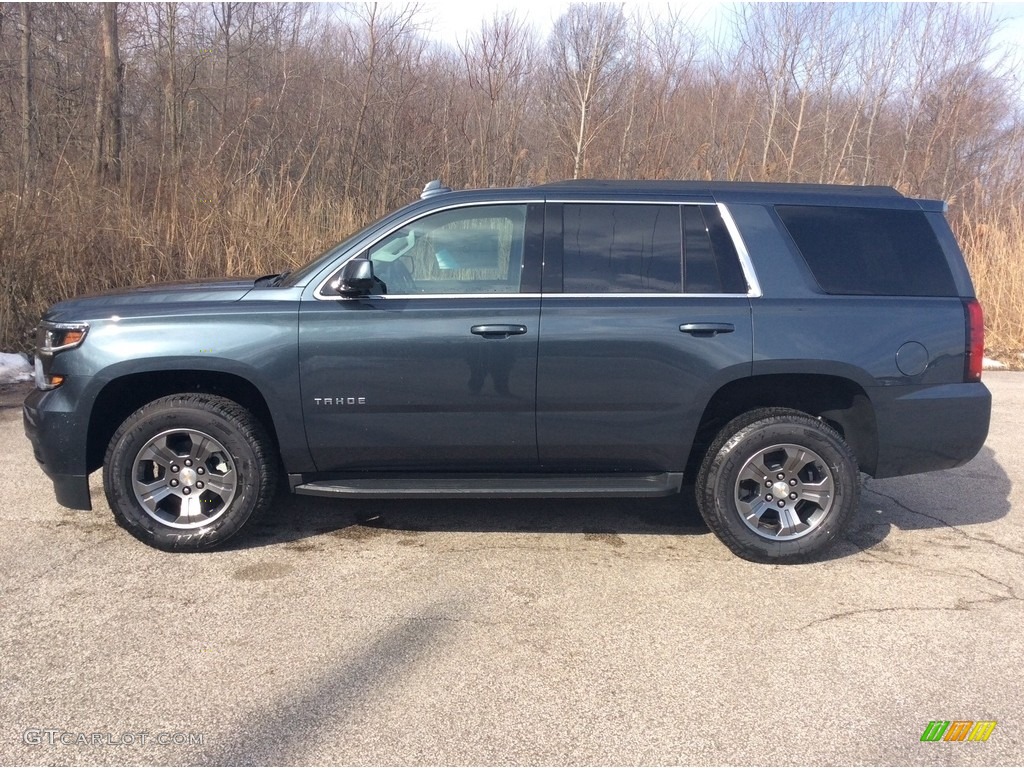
763 343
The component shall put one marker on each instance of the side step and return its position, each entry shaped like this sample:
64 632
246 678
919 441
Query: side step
493 486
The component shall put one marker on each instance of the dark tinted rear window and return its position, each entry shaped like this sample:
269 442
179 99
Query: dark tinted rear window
869 251
611 248
620 248
712 265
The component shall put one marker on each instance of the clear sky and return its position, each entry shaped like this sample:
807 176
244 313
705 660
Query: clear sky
453 20
1013 29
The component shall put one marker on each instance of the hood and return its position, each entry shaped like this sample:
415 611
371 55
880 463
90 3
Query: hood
150 296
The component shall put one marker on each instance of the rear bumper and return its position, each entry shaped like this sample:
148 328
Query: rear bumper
59 445
921 429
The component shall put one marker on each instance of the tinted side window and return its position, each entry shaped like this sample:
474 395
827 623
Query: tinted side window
711 262
609 248
869 251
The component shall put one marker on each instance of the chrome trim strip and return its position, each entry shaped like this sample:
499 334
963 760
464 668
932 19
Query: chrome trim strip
601 201
741 251
421 296
647 295
754 286
319 294
393 296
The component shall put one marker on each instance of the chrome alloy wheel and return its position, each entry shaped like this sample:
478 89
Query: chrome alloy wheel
784 491
184 478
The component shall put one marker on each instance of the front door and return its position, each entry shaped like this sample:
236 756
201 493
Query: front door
437 371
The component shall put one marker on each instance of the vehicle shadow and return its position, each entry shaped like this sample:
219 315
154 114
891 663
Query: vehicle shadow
293 518
974 494
971 495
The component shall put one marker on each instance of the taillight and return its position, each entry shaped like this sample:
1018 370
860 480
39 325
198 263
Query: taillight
975 340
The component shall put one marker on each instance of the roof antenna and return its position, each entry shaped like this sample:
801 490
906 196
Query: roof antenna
434 187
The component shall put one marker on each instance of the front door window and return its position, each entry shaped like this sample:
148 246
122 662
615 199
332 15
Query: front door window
459 251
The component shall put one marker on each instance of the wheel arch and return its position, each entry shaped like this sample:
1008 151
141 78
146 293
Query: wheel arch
122 396
841 402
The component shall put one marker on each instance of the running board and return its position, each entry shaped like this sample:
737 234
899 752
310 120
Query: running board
494 486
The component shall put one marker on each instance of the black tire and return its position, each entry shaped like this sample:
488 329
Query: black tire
806 467
186 472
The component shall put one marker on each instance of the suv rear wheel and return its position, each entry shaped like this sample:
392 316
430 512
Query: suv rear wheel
778 485
187 471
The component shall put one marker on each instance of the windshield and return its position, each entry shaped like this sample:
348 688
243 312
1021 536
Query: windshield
303 273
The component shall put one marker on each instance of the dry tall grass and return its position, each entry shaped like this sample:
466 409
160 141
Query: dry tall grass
993 246
73 244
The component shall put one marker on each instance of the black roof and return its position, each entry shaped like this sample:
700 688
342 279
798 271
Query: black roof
735 192
758 192
714 187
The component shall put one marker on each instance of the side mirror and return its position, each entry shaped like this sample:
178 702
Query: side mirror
355 279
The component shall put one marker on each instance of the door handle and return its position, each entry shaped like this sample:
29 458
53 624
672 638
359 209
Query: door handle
498 331
706 329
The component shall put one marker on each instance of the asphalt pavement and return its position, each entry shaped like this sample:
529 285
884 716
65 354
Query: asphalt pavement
516 632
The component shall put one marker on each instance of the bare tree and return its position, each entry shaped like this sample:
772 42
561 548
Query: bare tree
28 106
257 133
224 23
376 37
771 40
586 51
497 63
660 78
109 137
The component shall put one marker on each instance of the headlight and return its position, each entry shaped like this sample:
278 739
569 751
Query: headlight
56 337
52 338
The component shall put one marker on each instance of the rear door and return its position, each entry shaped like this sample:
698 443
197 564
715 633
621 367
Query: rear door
646 312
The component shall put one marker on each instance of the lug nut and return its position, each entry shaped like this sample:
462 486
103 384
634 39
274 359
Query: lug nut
768 497
175 468
186 490
200 485
781 476
201 471
767 483
188 462
792 482
174 483
781 503
792 496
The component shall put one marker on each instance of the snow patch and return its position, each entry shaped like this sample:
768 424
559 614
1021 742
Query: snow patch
14 366
988 364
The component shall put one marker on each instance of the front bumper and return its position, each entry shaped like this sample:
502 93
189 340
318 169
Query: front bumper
59 441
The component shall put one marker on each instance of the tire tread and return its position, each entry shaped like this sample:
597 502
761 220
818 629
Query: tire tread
249 429
720 452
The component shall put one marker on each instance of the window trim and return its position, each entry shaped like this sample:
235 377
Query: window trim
753 284
746 264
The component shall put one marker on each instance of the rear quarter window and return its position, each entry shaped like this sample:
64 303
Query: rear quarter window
869 251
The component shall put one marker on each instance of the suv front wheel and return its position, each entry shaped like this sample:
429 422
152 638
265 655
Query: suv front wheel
778 485
187 471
